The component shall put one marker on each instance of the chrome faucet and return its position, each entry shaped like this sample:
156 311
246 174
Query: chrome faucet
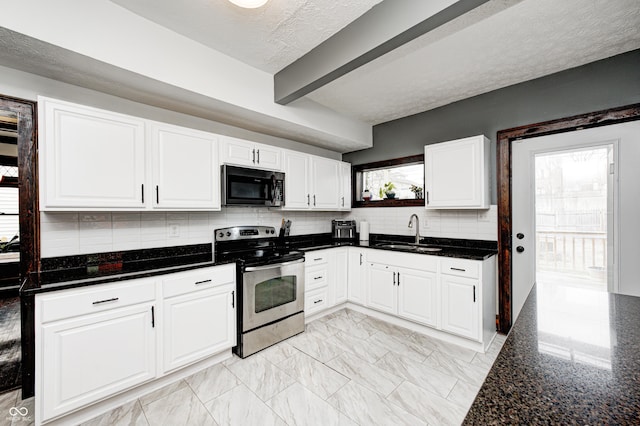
417 226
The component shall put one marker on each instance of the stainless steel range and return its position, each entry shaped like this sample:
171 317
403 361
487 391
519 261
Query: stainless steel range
270 286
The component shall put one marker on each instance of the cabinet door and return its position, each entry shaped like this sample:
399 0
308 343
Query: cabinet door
460 306
381 288
455 175
268 157
90 159
418 296
237 151
197 325
186 173
94 356
357 276
345 186
296 181
340 275
325 179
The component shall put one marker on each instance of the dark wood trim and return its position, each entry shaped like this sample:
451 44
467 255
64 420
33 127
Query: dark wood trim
407 202
355 203
503 166
29 226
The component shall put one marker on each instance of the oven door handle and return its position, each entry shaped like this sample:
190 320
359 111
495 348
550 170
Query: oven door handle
272 266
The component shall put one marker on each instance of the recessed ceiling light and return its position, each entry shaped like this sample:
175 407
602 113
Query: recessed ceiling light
249 4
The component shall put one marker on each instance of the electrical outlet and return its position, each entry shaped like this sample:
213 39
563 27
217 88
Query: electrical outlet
173 230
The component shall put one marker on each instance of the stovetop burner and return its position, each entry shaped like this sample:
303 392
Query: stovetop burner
251 245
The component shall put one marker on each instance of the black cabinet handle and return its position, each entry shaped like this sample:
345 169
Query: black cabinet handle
360 258
519 249
317 301
317 278
474 294
342 201
203 282
258 155
458 269
142 187
394 278
253 151
314 199
427 197
317 258
233 299
520 235
398 279
157 195
113 299
153 317
308 200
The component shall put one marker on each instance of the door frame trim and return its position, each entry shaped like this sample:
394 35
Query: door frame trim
504 173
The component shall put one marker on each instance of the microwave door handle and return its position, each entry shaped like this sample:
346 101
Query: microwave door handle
272 266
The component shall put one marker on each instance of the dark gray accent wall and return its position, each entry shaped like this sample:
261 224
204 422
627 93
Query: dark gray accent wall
600 85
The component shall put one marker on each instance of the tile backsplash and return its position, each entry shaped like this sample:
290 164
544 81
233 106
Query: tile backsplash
65 234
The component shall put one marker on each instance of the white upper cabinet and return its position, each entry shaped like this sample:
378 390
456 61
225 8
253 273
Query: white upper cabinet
92 159
457 174
89 158
186 173
314 183
345 186
296 181
249 154
325 181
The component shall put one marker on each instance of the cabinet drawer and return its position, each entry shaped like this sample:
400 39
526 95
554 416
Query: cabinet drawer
186 282
315 300
318 257
315 277
460 268
72 303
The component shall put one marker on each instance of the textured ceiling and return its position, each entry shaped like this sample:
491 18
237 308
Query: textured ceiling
500 44
268 38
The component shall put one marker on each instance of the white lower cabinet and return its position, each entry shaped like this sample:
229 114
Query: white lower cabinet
340 274
405 292
357 273
460 306
97 341
204 297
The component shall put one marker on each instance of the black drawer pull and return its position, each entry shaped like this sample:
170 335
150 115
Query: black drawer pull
317 301
317 258
203 282
113 299
458 269
317 278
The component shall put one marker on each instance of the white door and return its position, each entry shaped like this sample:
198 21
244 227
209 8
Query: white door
624 206
345 186
296 181
186 174
357 274
418 296
460 311
339 275
325 179
381 288
95 356
90 158
186 339
268 157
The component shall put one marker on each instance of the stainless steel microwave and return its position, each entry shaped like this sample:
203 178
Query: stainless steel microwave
251 187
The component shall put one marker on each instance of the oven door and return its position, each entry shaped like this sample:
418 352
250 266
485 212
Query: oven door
271 292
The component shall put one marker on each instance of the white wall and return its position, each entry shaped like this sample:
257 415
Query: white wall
465 224
66 234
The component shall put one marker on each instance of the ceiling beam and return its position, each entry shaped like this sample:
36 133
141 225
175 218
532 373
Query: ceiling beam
385 27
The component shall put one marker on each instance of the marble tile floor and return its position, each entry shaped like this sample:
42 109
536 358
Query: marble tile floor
346 369
10 350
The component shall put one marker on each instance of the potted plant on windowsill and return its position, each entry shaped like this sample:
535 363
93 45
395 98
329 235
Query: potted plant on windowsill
387 191
417 191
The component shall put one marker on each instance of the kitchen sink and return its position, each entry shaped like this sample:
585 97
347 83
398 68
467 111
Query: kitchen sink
411 247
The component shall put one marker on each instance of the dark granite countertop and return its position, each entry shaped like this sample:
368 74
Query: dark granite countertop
465 249
567 364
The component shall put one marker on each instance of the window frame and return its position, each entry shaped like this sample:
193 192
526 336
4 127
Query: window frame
356 189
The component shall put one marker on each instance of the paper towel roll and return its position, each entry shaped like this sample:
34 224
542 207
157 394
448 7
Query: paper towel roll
364 231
